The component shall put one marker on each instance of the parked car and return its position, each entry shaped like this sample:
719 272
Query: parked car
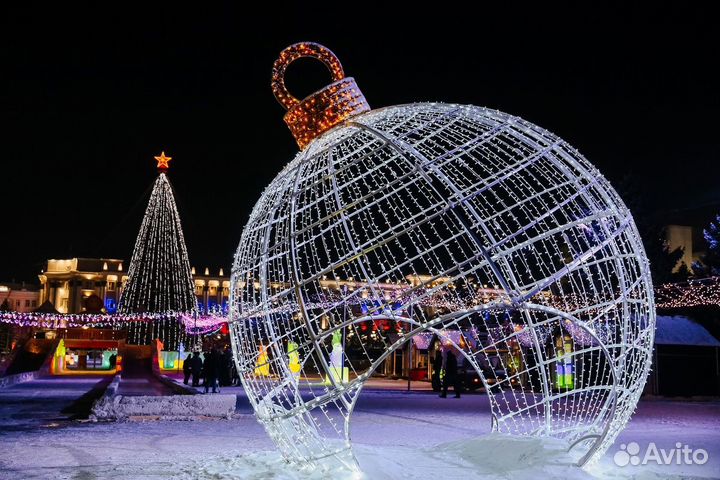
471 379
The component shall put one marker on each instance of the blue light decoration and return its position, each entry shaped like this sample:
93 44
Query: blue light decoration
110 305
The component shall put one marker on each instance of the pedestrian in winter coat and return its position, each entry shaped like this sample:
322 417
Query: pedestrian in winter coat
235 376
451 375
437 368
196 366
211 369
226 370
187 368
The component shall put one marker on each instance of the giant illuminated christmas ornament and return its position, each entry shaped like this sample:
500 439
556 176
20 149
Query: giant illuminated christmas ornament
441 222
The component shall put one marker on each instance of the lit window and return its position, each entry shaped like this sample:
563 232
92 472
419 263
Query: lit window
111 286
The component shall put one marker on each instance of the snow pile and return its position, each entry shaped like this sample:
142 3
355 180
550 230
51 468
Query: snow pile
679 330
18 378
504 455
396 436
492 456
268 464
171 407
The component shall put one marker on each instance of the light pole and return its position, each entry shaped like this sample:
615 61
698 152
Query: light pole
409 342
342 357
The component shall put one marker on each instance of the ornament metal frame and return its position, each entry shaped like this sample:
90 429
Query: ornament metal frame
475 229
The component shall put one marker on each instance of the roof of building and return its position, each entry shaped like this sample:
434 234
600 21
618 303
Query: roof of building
19 286
97 264
679 330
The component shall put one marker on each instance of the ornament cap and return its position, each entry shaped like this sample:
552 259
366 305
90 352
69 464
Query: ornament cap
324 109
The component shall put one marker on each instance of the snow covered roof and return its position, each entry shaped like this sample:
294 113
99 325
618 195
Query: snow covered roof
679 330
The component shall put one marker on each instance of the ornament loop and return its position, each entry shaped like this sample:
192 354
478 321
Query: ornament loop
292 53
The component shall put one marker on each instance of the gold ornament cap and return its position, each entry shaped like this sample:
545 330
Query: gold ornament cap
324 109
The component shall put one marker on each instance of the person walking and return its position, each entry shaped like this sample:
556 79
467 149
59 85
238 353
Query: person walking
196 366
451 375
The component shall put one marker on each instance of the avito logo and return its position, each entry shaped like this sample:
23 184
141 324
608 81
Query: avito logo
680 455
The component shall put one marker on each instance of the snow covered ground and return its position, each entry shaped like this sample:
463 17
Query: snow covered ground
396 435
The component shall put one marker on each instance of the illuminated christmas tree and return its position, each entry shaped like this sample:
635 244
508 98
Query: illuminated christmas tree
159 278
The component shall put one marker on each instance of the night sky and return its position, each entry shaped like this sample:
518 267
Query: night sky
89 96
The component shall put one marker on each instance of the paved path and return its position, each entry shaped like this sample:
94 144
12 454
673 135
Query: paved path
397 390
373 383
136 385
137 379
48 402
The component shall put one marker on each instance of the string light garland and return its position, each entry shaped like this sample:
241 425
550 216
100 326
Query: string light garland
701 292
116 321
209 329
502 230
693 293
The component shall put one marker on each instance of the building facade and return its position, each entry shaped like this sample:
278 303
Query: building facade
94 285
682 236
16 297
19 297
212 291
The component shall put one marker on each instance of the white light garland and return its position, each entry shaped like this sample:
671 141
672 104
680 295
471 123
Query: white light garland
159 277
192 321
701 292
